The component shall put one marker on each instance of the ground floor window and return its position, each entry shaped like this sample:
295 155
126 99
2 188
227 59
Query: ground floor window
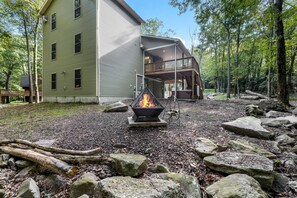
54 81
77 78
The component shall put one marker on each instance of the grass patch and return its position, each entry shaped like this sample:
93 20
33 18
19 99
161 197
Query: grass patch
208 91
29 116
221 97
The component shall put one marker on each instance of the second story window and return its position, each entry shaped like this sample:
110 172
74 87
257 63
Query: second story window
77 78
54 51
54 21
54 81
77 43
77 8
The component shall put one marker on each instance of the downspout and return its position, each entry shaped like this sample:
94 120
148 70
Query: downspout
143 56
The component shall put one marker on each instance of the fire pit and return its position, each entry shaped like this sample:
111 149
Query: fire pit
146 110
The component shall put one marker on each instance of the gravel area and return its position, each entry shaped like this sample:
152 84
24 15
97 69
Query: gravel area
172 146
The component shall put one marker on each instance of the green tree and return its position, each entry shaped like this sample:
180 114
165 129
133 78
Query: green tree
154 27
24 15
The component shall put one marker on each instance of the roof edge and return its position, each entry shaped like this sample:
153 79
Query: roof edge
129 11
44 7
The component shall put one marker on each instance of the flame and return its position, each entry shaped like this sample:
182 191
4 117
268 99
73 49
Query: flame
146 101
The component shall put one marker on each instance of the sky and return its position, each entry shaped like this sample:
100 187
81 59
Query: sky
181 24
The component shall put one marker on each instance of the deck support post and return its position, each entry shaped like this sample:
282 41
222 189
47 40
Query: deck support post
193 85
175 75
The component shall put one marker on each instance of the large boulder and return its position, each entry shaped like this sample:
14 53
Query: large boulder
120 187
205 147
275 114
280 183
248 147
249 126
274 105
189 183
83 185
29 189
54 183
236 185
116 107
253 110
256 166
129 164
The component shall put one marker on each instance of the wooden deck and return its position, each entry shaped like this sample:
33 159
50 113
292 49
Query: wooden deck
4 94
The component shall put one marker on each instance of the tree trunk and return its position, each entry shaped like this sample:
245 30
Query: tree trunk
7 84
256 94
237 58
229 64
35 53
291 69
51 163
28 57
282 91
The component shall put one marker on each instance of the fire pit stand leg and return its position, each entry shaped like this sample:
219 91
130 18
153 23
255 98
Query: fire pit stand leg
172 110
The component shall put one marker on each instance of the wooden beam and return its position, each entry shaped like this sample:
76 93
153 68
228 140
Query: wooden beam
193 85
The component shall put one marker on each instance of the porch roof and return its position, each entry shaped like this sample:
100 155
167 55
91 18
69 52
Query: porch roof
157 45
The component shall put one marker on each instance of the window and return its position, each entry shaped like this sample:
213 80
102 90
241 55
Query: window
54 81
77 43
77 78
76 8
54 21
54 51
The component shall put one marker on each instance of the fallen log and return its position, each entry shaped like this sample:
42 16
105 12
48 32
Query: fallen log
256 94
51 163
52 149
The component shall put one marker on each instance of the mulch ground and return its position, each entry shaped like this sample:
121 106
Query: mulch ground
172 146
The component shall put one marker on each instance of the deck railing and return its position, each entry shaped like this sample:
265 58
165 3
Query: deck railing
11 93
182 63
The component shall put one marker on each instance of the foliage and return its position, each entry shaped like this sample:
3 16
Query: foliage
252 61
154 27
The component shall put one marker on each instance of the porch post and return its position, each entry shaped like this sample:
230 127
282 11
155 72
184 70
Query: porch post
193 84
175 80
143 56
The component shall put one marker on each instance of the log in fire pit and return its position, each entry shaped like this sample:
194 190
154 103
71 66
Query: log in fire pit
146 107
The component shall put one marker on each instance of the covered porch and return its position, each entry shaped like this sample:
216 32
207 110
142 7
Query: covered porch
168 62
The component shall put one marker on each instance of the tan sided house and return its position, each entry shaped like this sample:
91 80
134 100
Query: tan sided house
94 53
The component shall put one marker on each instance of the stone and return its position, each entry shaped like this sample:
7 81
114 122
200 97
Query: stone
247 147
249 126
160 168
23 163
4 160
84 185
116 107
284 140
280 183
294 112
236 185
29 189
292 120
190 184
129 164
54 183
293 185
117 187
11 164
294 149
249 97
275 122
256 166
253 110
2 193
84 196
274 114
274 105
205 147
45 142
25 172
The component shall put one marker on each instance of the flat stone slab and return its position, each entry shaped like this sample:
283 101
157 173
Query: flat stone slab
205 147
243 146
121 187
116 107
236 185
133 124
249 126
256 166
